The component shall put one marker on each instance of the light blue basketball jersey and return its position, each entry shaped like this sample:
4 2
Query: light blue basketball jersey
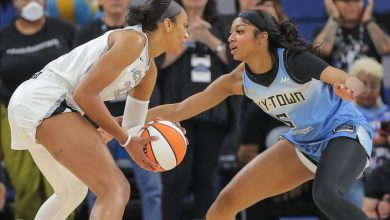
314 113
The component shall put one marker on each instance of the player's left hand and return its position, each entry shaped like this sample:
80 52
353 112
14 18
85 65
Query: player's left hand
343 91
177 125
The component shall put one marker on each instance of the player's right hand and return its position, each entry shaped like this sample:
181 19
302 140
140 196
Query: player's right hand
136 151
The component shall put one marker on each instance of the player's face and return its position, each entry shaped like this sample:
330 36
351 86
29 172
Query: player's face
242 41
371 91
350 10
178 35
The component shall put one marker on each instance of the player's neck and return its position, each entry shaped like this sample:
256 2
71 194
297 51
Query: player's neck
155 47
260 67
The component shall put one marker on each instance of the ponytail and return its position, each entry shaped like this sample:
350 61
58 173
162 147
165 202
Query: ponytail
288 38
283 34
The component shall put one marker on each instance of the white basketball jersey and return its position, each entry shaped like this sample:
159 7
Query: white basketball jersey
72 67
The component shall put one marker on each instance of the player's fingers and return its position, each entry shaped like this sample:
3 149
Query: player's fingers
158 118
148 139
151 164
177 124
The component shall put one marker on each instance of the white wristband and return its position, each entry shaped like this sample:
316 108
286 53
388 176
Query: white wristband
127 141
134 113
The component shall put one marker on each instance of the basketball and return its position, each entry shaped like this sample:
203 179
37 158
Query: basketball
169 150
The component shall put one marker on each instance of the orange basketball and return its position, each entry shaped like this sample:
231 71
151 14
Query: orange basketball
169 150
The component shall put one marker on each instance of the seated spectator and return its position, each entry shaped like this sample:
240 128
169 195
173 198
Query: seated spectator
376 203
370 72
351 32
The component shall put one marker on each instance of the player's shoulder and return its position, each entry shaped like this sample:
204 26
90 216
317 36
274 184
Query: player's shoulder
128 39
233 80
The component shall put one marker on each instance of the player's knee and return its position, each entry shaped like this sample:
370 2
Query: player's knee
324 196
125 190
120 189
115 189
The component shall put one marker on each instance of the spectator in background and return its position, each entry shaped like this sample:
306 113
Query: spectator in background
273 7
149 183
370 72
370 104
350 33
114 17
376 203
203 60
78 12
27 44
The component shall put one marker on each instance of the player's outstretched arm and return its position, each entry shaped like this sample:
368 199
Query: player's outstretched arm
345 86
216 92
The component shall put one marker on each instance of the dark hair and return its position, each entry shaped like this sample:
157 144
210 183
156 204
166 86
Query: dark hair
210 13
283 34
149 14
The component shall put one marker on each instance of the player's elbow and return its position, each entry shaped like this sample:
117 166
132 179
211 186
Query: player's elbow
80 96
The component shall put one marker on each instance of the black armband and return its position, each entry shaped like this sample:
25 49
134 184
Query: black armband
337 20
369 21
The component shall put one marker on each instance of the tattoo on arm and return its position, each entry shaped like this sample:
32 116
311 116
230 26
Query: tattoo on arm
380 39
330 33
328 36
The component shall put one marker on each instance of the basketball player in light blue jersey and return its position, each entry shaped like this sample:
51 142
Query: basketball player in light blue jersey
328 140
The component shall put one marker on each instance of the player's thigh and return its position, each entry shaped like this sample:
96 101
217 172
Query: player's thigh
73 142
276 170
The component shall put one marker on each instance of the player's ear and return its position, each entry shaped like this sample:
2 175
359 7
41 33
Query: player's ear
167 23
262 37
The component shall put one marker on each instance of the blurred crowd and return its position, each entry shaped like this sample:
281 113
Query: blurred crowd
223 139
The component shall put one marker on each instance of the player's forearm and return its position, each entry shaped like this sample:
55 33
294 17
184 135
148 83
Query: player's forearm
167 112
380 39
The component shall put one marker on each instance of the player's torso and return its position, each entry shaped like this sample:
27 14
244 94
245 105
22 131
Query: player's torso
310 109
73 66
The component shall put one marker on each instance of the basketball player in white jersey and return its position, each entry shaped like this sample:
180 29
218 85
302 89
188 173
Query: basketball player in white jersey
329 139
45 112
